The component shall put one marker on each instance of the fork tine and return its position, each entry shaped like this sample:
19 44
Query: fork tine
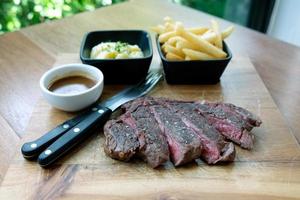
133 87
141 87
148 80
150 83
149 75
135 91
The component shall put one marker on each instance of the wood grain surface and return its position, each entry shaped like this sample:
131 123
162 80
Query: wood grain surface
22 64
26 54
270 171
8 143
277 62
34 49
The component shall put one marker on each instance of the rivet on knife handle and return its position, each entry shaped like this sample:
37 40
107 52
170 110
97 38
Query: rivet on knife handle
74 136
31 150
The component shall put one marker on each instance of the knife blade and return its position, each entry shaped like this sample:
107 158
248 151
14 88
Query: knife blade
31 150
83 126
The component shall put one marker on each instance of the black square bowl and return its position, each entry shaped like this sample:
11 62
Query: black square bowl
194 71
119 71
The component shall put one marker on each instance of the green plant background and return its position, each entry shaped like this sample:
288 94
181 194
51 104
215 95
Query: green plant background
15 14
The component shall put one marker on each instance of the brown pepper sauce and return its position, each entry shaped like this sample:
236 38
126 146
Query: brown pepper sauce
71 85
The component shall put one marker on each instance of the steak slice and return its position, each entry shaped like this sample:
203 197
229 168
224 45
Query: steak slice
157 128
242 116
142 101
121 141
184 143
215 148
153 144
231 121
252 119
228 124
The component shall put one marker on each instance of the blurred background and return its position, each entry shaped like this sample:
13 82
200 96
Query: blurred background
277 18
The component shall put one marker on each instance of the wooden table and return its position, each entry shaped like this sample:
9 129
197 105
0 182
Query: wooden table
26 54
270 171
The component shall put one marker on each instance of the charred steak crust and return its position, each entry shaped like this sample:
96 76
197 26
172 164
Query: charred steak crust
184 143
142 101
222 110
231 121
121 141
158 128
251 118
228 124
215 148
155 150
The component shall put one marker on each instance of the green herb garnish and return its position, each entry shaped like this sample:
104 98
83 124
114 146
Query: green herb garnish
120 45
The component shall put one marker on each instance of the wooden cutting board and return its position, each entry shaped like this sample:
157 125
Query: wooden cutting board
270 171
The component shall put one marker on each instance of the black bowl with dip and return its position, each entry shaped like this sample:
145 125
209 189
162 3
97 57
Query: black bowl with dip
119 71
194 71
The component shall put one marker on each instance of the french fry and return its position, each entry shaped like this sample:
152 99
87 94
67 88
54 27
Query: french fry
168 19
169 27
185 45
196 43
173 40
158 29
209 37
174 50
215 28
187 58
163 47
196 55
202 44
165 36
171 56
227 32
198 30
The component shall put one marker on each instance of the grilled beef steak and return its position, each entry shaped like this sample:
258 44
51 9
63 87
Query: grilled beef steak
234 123
156 129
229 124
215 148
184 143
136 133
121 140
250 118
153 145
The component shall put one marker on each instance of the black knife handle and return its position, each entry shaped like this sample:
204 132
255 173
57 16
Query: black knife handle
74 136
31 150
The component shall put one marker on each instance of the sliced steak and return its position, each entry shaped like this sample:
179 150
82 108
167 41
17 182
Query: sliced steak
228 124
235 123
215 148
142 101
153 144
157 128
251 118
184 143
121 141
242 116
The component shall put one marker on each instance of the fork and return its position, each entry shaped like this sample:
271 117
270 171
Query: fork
65 136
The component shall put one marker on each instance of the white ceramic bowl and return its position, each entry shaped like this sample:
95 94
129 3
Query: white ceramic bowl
72 102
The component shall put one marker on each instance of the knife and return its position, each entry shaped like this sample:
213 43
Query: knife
61 139
31 150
